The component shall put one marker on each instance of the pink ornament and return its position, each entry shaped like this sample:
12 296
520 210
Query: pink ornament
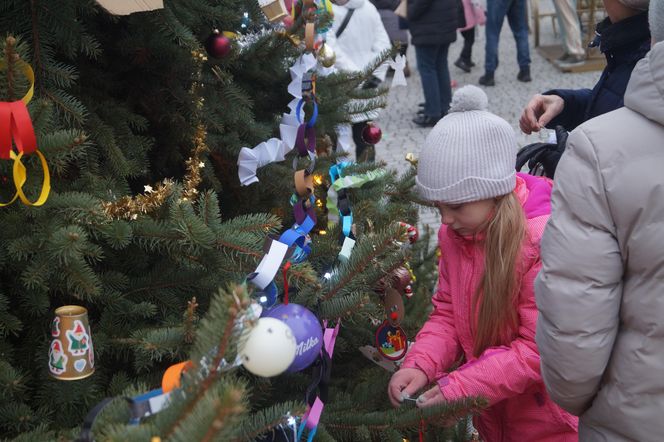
217 44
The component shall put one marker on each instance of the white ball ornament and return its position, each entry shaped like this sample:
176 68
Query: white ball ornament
269 349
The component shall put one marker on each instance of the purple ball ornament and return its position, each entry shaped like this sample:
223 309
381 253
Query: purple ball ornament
306 329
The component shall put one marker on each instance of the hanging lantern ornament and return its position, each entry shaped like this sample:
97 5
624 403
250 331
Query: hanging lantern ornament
371 133
326 56
274 10
217 44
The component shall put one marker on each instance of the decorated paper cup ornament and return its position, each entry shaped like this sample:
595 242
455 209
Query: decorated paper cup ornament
274 10
391 341
307 331
268 349
71 355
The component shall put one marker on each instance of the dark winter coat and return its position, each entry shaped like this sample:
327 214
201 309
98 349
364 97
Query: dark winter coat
623 44
433 22
386 4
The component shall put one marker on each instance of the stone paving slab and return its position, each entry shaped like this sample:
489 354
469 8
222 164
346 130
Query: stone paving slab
506 99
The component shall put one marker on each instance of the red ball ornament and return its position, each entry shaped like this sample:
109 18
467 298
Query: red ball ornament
217 44
371 133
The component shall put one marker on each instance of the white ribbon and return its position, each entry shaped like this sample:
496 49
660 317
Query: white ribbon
398 64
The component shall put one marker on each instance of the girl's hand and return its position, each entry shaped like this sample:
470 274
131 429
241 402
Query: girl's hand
430 397
405 383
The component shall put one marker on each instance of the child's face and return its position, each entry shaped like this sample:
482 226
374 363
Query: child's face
467 218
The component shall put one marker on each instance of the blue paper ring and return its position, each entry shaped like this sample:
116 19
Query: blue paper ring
314 116
270 292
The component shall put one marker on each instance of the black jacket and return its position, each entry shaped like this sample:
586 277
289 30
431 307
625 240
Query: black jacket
386 4
434 22
623 44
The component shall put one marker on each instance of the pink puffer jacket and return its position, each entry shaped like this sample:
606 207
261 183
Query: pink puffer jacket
508 376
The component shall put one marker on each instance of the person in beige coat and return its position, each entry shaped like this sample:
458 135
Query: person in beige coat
600 293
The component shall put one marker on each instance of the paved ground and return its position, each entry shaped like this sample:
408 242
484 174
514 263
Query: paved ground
507 98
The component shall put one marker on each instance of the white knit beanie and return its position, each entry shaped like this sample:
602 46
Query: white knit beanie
656 19
639 5
470 155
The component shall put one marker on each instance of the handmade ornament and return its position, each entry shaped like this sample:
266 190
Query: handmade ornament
274 10
71 355
268 349
375 356
217 44
16 127
394 308
326 56
267 297
391 341
307 331
371 133
398 64
126 7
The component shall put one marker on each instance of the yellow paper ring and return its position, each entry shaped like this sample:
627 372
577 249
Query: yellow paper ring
20 177
30 74
19 184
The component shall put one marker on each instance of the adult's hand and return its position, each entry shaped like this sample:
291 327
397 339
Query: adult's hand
540 111
405 383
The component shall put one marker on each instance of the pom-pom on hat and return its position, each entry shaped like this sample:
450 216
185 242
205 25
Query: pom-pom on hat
470 155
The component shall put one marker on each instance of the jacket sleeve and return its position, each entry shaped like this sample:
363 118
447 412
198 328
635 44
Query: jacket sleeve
576 103
580 287
436 346
381 43
505 371
417 8
342 61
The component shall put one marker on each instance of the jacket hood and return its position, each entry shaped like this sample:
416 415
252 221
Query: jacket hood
623 36
354 4
645 91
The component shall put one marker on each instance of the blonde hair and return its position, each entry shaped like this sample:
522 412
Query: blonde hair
496 295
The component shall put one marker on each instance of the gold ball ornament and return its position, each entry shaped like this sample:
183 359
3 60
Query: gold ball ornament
326 56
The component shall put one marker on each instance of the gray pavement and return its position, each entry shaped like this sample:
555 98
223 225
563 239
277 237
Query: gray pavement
507 98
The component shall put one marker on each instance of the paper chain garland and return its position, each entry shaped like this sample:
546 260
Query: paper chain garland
16 126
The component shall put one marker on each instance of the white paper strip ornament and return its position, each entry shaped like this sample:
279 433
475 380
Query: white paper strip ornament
126 7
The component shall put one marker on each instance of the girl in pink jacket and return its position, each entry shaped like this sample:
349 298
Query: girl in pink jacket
484 307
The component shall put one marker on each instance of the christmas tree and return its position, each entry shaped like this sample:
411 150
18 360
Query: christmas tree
141 119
